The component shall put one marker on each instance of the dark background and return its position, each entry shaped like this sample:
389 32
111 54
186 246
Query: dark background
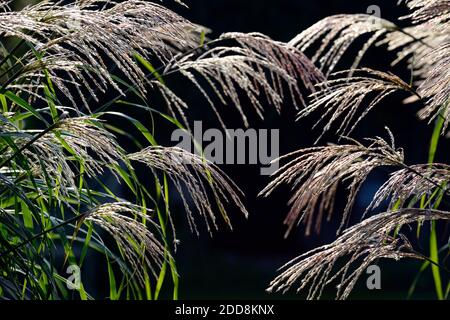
241 263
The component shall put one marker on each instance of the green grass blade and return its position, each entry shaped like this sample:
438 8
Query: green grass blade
23 104
434 251
147 65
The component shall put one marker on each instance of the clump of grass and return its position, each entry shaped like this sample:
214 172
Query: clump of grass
359 246
416 193
58 145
